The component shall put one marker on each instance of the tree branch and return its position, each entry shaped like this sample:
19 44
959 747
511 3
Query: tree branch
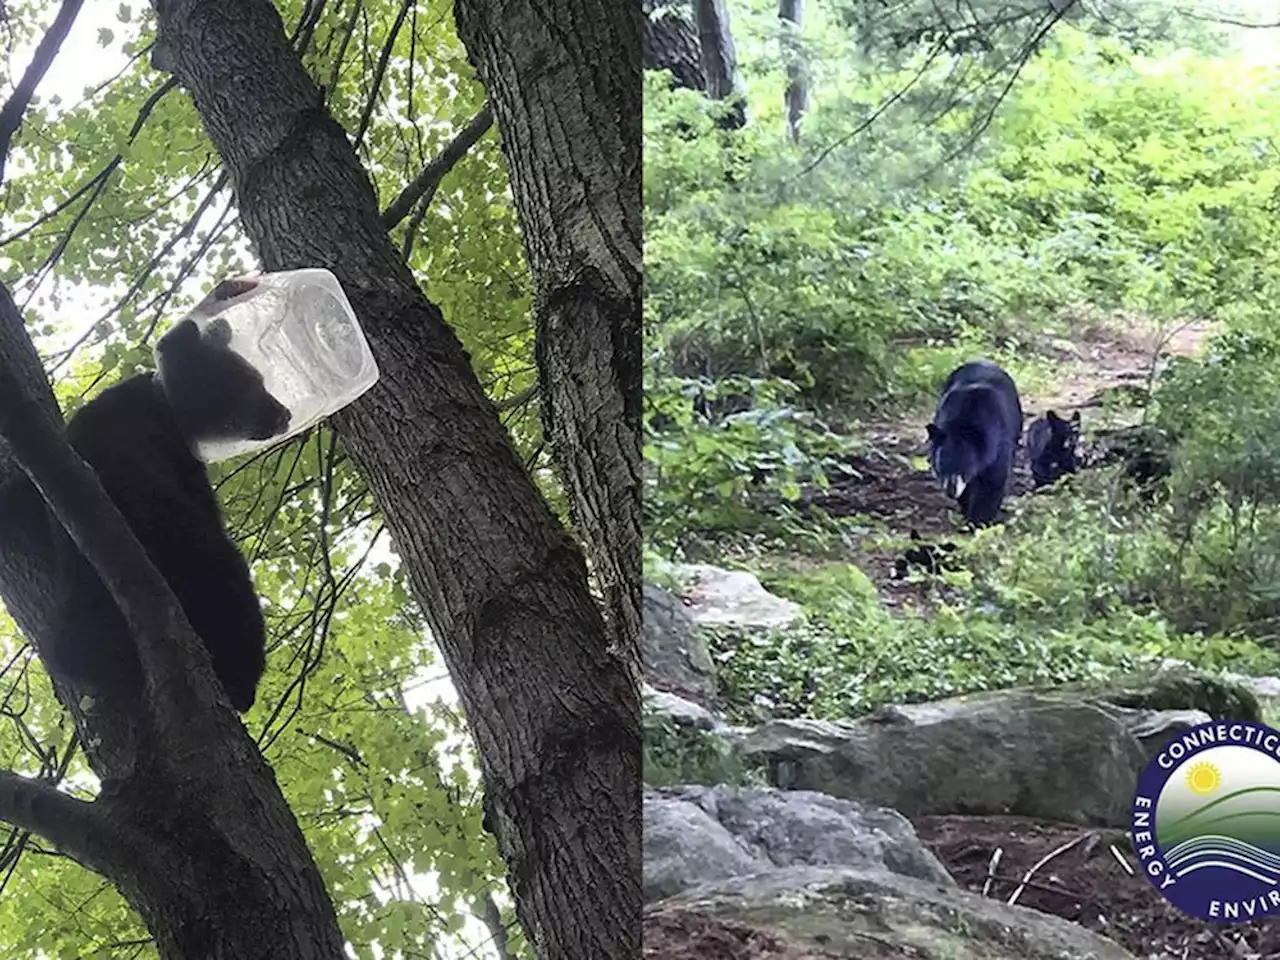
517 399
63 820
136 284
492 917
426 183
12 112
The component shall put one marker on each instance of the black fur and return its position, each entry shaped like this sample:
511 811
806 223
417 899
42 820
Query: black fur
138 437
932 558
1146 452
1051 447
974 438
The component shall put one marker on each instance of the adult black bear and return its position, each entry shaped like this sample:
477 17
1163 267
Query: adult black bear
1051 447
138 436
974 437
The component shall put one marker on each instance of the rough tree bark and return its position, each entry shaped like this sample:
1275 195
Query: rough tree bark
189 810
671 43
553 709
796 97
567 104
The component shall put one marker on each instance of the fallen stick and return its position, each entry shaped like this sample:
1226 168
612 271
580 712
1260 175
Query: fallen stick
1042 861
1120 859
991 869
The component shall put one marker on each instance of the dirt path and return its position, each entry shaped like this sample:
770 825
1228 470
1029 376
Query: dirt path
1086 884
1107 358
894 490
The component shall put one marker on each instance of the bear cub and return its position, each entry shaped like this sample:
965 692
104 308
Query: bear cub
974 437
932 558
139 437
1051 447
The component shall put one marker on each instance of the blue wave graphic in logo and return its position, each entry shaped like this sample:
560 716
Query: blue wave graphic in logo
1230 853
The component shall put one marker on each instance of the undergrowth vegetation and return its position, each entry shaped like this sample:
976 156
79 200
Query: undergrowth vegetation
805 300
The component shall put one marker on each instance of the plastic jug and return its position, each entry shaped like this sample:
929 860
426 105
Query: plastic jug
298 329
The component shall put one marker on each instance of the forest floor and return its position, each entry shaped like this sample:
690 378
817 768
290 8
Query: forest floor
1088 885
896 493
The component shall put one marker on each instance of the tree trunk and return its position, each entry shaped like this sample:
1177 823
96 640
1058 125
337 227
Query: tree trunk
719 59
568 112
215 884
554 712
791 13
671 43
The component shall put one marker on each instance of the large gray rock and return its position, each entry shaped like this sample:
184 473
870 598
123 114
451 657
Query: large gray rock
676 659
1154 728
1264 688
1174 685
697 835
682 712
1014 752
831 913
733 598
1162 698
685 846
686 743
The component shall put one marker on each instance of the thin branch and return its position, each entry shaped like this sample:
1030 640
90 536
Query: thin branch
1055 852
381 72
137 55
102 179
991 869
64 241
12 112
137 283
1029 49
517 399
79 192
426 183
1225 20
415 224
186 269
497 929
934 53
306 27
348 33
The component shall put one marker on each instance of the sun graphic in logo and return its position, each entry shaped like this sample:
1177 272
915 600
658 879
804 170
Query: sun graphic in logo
1203 778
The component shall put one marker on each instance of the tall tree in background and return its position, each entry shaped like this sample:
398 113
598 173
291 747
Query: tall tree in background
694 40
720 58
552 706
791 14
671 43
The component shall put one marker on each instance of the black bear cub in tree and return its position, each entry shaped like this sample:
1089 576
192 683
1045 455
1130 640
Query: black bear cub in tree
1051 446
974 437
139 436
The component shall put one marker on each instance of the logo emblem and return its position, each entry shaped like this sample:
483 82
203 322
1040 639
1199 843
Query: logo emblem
1205 822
